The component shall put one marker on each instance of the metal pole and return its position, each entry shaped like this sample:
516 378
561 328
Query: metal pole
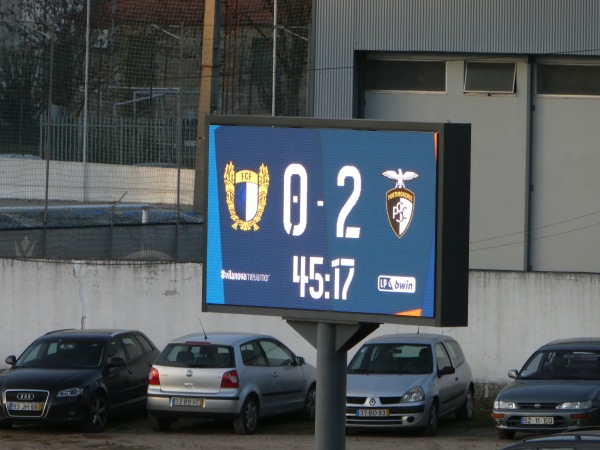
85 104
274 57
210 41
330 426
178 141
48 129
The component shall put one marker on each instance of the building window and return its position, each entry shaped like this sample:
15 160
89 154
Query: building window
414 76
495 78
568 79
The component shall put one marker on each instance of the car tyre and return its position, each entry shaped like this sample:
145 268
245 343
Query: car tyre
159 423
310 403
432 423
246 421
96 416
506 434
5 425
465 412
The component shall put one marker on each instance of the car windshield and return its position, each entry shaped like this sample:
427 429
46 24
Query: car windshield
63 353
562 365
397 359
196 355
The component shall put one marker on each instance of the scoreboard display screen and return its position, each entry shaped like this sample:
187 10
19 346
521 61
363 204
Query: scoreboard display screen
332 220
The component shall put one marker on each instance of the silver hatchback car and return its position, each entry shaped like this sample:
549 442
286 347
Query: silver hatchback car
408 381
234 376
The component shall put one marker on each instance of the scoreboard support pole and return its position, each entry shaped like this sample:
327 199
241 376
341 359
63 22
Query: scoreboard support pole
332 341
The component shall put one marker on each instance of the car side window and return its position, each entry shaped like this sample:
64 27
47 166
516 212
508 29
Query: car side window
441 356
277 353
115 349
458 358
252 354
146 346
134 348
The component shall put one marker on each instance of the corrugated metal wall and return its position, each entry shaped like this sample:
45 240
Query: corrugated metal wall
568 27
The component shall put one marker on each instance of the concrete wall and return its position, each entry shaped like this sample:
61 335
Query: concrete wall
510 313
25 179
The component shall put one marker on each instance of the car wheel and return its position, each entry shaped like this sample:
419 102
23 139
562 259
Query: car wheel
5 425
432 424
246 421
97 415
506 434
310 403
159 423
465 412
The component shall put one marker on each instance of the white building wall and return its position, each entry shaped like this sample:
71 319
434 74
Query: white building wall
510 313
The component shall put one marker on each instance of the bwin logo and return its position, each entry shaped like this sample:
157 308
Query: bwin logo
400 202
385 284
246 196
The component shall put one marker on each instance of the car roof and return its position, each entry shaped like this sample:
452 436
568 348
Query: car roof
416 338
90 332
220 337
579 343
590 434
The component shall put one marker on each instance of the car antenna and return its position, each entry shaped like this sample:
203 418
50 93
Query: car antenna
201 326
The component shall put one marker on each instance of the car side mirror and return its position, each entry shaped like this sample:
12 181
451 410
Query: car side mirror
11 360
448 370
116 362
513 373
300 360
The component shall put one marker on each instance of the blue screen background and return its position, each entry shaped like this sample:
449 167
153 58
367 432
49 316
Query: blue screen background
271 250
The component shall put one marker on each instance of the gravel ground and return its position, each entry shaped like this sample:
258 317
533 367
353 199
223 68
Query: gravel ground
276 434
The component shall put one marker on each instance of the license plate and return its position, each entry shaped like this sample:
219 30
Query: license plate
537 420
25 406
182 401
372 412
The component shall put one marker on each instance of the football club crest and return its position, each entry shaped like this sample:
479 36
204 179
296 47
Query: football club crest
246 196
400 201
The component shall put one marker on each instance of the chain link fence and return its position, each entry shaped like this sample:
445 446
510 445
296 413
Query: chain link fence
99 109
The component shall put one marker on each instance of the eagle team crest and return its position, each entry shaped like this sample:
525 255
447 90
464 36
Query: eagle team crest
400 202
246 206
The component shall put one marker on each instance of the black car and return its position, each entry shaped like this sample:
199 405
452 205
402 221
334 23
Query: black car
77 376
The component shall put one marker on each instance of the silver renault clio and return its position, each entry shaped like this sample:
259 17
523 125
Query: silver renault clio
408 381
232 376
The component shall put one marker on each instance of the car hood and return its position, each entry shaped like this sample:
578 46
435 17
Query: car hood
369 385
536 391
48 379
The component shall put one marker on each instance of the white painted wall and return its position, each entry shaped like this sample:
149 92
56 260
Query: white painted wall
510 313
25 179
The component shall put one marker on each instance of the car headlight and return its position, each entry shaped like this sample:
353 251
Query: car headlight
501 404
575 405
72 392
416 394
